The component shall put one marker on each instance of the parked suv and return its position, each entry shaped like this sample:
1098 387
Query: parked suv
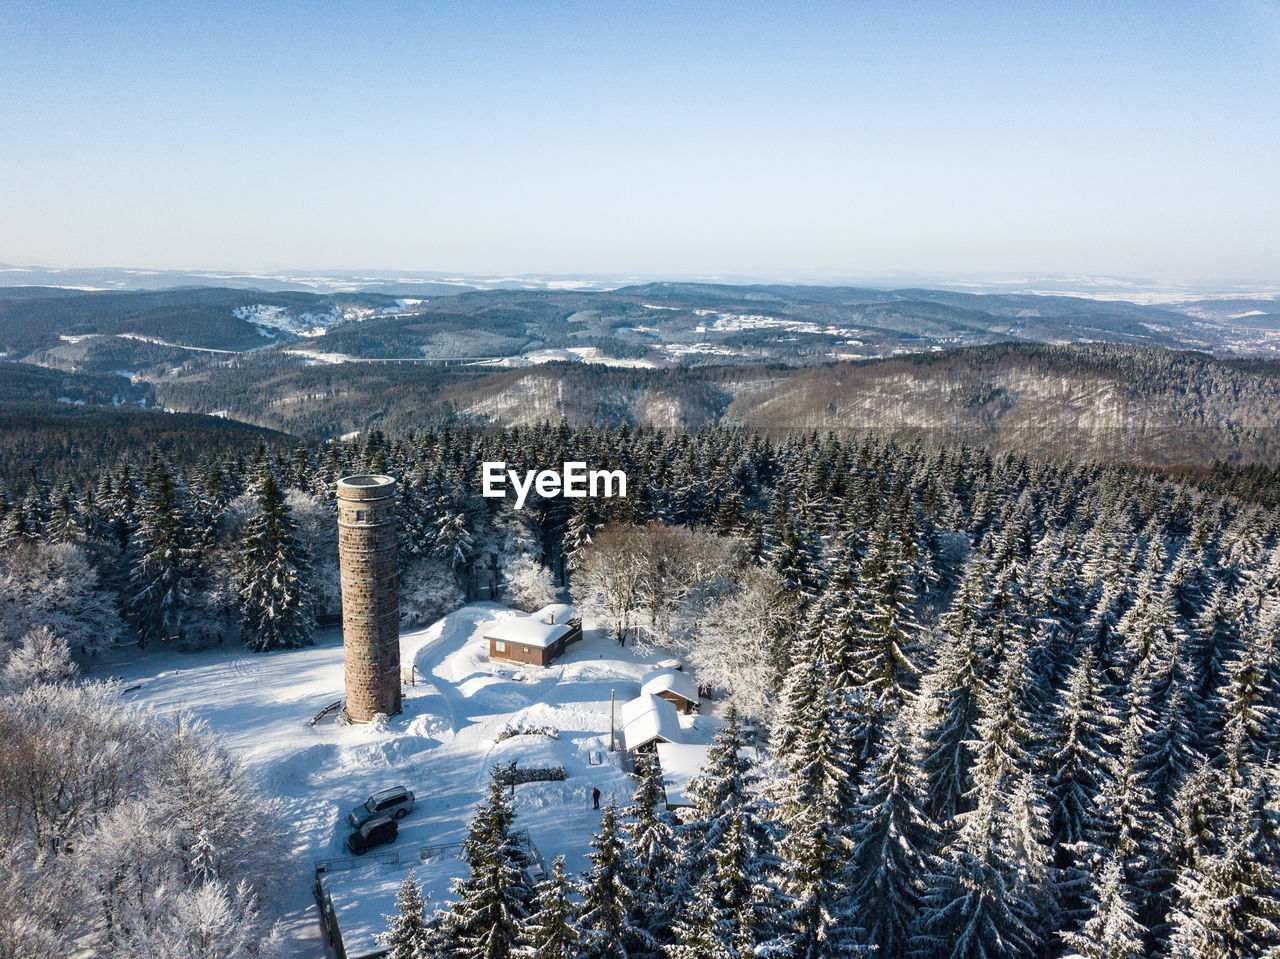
397 802
375 832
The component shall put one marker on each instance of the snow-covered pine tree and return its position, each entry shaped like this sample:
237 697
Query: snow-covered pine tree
407 936
1075 762
792 551
952 715
1228 903
1160 695
552 931
972 907
729 845
1112 930
893 842
888 629
1198 816
813 798
1126 826
651 865
1004 734
606 917
1249 716
703 929
1082 736
493 897
163 577
274 575
813 922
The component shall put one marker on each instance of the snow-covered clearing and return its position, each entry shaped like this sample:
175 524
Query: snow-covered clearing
442 746
572 354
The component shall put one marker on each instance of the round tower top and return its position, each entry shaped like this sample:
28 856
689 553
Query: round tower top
366 486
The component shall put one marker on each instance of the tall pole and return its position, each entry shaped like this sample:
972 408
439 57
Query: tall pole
611 745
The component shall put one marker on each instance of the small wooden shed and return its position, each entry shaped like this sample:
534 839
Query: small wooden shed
676 687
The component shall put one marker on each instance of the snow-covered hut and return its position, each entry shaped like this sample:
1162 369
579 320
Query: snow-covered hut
536 638
647 720
676 687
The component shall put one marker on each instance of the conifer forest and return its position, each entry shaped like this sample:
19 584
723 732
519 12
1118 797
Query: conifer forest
997 706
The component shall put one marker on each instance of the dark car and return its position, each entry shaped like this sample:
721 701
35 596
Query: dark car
375 832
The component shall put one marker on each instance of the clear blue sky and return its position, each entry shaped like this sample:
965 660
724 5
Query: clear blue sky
789 138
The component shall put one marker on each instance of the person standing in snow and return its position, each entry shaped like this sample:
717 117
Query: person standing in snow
595 798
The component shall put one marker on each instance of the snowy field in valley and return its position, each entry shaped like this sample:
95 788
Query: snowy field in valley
442 746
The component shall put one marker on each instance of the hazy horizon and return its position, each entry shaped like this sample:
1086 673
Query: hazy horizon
746 141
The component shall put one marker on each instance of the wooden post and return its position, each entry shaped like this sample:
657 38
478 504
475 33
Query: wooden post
612 748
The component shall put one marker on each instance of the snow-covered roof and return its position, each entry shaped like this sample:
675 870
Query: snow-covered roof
528 630
647 718
363 897
670 681
682 763
557 613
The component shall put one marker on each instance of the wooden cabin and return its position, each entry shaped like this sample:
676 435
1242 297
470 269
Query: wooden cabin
535 639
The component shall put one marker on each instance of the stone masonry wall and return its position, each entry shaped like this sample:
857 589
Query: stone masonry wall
370 596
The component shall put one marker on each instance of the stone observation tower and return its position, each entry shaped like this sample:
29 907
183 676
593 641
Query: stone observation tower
370 596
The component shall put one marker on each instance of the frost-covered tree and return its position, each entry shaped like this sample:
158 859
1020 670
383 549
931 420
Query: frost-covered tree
493 898
428 591
1112 930
55 587
607 919
275 576
42 657
207 920
115 819
738 648
606 581
893 842
528 584
407 935
163 577
552 930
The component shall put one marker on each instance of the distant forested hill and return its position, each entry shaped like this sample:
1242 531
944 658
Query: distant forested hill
1108 401
22 383
37 318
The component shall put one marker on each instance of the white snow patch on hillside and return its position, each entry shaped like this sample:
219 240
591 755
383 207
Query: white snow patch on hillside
442 745
572 354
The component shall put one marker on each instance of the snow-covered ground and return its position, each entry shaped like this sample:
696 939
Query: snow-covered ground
272 320
572 354
442 745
